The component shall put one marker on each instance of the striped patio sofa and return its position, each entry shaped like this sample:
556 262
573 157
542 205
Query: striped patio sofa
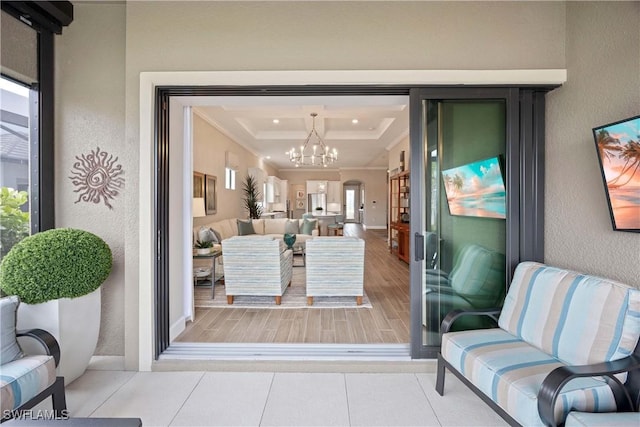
256 266
560 339
335 267
26 380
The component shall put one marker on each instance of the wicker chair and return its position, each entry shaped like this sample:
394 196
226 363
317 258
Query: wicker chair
256 266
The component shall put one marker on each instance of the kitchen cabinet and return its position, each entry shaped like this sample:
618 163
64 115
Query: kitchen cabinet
272 190
334 192
284 191
316 187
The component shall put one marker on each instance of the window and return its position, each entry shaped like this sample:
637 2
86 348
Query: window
230 179
15 164
232 165
27 116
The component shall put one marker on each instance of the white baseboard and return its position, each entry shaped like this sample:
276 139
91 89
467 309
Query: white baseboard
374 227
177 328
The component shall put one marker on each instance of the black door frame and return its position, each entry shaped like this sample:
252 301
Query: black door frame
524 160
161 175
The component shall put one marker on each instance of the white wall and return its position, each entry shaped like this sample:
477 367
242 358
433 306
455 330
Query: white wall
209 150
603 64
93 67
394 155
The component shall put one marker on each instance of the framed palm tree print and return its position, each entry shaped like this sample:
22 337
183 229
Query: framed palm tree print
618 148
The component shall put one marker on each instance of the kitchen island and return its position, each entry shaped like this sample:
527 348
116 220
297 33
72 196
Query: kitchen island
324 218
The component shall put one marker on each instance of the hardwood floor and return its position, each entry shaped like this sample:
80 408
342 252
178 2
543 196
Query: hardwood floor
386 282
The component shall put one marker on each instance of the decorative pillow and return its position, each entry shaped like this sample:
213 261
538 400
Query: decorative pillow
205 234
218 236
245 228
308 226
292 226
8 343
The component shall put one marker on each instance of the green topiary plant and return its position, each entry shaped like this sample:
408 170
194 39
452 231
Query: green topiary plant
59 263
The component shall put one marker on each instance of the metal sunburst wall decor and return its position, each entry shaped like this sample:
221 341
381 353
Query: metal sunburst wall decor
97 176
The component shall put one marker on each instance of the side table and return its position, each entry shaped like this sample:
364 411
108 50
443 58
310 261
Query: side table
299 250
213 256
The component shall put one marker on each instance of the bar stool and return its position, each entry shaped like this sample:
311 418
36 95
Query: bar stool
337 228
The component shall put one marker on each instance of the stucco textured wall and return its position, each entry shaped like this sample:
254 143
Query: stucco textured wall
90 113
93 66
603 86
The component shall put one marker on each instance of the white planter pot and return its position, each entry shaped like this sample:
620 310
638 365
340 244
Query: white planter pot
75 322
203 251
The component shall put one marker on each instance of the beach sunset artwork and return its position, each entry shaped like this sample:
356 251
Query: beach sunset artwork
476 189
618 146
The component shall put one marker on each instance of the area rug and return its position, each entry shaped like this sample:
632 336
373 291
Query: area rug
294 297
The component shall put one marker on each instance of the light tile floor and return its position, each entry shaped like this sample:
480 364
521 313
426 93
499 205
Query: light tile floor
277 399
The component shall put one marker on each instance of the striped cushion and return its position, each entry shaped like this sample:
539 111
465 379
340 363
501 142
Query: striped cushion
479 276
510 372
23 379
256 265
335 266
577 318
619 419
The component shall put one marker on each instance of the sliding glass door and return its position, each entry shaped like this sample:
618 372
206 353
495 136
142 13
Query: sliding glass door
466 166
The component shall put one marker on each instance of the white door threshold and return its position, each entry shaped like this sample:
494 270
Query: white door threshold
252 351
253 357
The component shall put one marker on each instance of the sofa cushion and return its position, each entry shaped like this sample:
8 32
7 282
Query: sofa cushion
23 379
308 225
10 350
478 276
292 226
547 307
593 419
245 228
510 372
275 225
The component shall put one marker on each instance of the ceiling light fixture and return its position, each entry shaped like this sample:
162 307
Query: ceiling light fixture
316 155
276 121
354 121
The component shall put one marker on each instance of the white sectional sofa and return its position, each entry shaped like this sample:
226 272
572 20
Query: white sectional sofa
275 227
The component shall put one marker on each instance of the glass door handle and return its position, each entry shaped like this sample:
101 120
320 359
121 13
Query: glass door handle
419 245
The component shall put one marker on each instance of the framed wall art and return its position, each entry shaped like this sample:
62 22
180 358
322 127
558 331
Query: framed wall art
476 189
618 149
210 195
198 185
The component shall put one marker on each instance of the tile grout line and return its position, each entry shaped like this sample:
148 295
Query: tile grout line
112 394
264 408
424 392
346 394
187 398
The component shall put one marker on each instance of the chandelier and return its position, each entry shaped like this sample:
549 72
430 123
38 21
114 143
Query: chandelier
318 154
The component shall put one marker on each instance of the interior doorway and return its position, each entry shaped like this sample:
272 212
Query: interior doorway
353 201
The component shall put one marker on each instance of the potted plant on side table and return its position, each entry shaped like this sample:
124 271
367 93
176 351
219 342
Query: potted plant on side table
57 275
203 247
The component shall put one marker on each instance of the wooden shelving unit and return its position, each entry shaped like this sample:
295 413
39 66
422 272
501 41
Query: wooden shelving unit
399 215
